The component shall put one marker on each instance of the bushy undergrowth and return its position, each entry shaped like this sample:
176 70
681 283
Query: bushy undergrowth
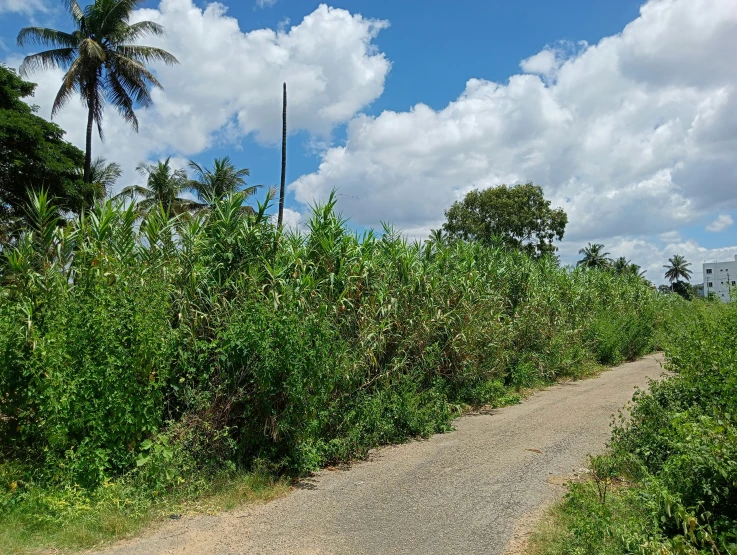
171 347
677 454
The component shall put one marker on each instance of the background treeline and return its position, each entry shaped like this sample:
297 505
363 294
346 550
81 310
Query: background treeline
669 484
216 339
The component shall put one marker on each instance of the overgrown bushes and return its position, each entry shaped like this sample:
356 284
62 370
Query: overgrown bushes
217 340
675 460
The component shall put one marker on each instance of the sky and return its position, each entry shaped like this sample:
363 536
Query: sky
625 113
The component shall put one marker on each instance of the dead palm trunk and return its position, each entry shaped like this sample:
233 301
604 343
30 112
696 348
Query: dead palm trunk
88 144
283 157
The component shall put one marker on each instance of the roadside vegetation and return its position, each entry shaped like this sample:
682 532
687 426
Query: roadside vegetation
161 356
669 483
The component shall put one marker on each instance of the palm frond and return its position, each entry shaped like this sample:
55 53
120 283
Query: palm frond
49 59
146 54
121 100
69 84
133 191
92 51
73 8
41 36
140 30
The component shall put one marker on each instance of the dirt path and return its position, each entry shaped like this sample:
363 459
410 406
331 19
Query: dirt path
468 491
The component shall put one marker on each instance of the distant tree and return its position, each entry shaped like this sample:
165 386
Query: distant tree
34 155
163 185
623 267
517 217
677 268
593 257
212 185
101 61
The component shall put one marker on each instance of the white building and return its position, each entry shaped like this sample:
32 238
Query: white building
720 278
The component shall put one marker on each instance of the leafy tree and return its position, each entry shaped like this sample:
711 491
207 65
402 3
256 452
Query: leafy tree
164 185
519 217
100 60
222 180
33 155
593 257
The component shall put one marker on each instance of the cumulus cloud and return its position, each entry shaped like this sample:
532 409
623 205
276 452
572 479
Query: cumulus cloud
23 6
265 3
633 136
722 222
228 84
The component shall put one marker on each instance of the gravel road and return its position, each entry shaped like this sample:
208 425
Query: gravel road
473 490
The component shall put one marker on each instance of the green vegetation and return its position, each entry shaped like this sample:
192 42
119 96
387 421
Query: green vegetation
593 257
33 154
672 469
518 217
159 356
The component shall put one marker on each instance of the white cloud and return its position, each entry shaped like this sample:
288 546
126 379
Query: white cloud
229 83
548 61
544 62
293 219
722 222
632 136
27 7
265 3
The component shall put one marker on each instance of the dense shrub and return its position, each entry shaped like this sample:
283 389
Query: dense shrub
675 457
217 340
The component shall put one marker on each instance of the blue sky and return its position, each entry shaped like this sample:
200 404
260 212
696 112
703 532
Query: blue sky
625 117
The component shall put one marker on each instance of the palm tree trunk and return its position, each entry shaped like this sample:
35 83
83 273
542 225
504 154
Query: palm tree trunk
88 145
283 157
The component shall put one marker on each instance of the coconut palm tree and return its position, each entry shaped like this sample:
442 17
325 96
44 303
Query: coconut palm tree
163 185
103 176
100 60
222 180
593 257
678 268
622 266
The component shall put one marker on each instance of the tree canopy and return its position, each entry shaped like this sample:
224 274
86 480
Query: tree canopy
518 217
34 155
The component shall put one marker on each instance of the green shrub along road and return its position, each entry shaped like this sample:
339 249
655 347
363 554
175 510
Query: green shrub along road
671 474
151 360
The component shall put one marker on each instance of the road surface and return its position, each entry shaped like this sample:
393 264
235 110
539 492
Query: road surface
473 490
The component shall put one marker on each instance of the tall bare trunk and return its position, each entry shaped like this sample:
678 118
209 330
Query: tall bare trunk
88 149
283 157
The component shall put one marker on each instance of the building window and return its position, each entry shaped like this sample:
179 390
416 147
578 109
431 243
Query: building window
710 284
708 270
734 283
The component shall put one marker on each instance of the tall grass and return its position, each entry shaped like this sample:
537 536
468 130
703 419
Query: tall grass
161 348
